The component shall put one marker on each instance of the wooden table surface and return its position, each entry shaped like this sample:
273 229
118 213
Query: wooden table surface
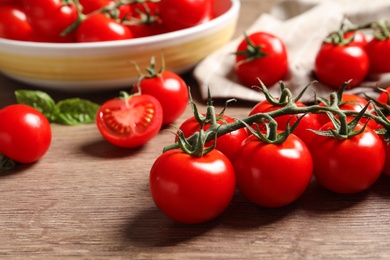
87 199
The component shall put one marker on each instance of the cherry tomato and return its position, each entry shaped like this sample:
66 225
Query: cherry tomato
307 123
99 27
228 144
50 17
350 165
92 5
13 23
379 54
181 14
350 102
336 64
192 189
25 133
170 89
273 175
359 38
130 121
264 57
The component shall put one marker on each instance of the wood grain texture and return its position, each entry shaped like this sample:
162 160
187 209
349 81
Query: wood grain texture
89 200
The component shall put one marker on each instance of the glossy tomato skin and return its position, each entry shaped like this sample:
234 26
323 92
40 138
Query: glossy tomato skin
379 55
191 189
307 123
13 23
269 69
50 17
181 14
336 64
99 27
170 90
347 166
92 5
273 175
228 144
25 133
384 96
130 122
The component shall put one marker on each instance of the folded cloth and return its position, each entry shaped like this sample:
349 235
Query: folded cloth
302 25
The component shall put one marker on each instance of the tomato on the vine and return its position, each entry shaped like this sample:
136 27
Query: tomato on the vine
228 143
50 17
130 121
25 133
261 56
100 27
191 189
273 175
348 165
93 5
181 14
339 63
308 122
13 23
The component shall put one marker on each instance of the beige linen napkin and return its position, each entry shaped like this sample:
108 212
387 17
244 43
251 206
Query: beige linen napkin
302 25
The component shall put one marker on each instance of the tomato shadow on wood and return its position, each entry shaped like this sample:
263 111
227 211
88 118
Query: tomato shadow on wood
103 149
381 186
318 199
18 169
244 214
151 228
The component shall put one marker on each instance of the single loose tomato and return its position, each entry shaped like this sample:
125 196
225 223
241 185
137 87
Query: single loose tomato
336 64
273 175
25 133
130 121
261 56
191 189
307 123
348 165
228 143
13 23
99 27
181 14
378 51
170 90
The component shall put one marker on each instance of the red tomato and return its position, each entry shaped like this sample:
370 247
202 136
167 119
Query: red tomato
92 5
273 175
336 64
228 144
25 134
13 23
170 89
384 96
99 27
192 189
358 38
350 102
264 58
181 14
129 122
379 55
309 121
50 17
350 165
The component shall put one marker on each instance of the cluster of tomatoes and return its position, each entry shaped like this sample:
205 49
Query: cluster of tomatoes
272 155
103 20
353 52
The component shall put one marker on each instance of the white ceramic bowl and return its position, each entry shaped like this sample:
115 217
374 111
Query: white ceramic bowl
109 65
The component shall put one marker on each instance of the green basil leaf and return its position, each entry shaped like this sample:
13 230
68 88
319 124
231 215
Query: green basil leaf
75 111
36 99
